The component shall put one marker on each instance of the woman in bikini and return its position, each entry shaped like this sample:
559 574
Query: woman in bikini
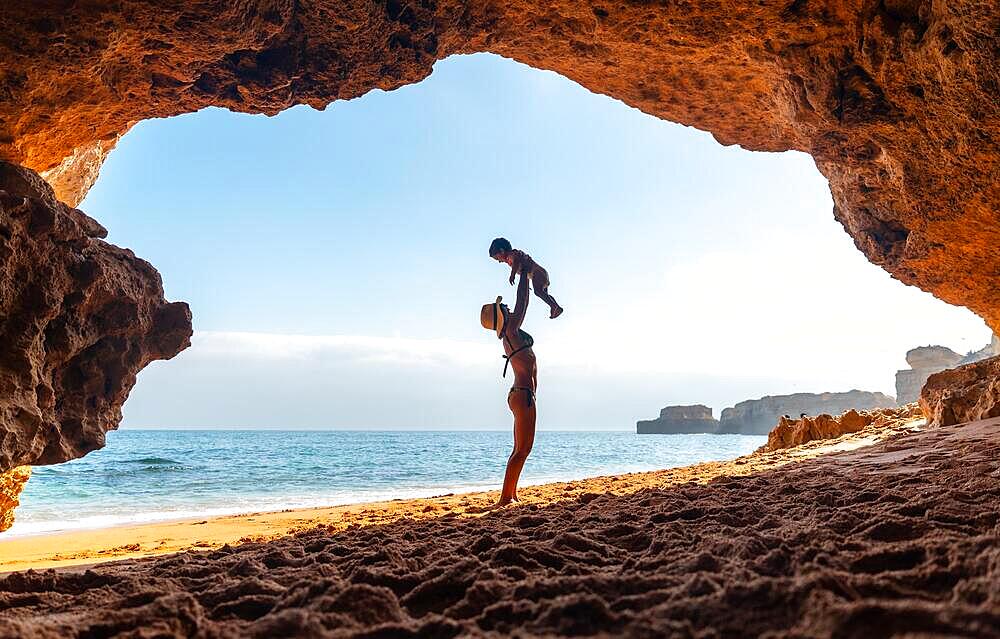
521 398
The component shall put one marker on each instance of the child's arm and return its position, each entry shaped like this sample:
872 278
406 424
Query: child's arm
518 263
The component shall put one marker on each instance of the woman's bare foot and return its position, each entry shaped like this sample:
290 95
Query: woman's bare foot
501 503
488 507
556 312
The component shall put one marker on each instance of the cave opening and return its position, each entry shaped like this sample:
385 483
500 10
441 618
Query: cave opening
332 258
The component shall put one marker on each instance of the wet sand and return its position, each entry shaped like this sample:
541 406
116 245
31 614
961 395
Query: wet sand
901 538
89 547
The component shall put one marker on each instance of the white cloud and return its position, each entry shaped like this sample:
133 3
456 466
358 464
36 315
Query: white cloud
260 380
398 351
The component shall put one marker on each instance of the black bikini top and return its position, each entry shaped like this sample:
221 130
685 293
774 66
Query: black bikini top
528 340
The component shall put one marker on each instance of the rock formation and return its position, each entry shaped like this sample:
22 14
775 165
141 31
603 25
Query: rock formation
924 361
759 416
11 484
791 432
675 420
962 394
79 318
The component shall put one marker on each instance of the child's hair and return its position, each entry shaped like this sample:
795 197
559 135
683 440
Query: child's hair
500 245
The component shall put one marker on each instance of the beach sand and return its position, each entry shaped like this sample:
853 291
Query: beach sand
887 536
88 547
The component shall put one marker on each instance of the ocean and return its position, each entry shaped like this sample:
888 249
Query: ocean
158 475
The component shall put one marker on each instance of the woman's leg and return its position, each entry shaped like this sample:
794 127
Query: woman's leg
522 404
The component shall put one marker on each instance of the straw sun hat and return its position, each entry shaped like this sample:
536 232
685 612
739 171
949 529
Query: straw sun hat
491 317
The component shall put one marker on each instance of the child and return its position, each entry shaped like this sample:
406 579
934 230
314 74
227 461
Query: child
521 262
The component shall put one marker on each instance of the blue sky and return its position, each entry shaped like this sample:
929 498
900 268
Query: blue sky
335 261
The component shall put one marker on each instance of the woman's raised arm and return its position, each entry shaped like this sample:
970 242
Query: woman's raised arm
521 306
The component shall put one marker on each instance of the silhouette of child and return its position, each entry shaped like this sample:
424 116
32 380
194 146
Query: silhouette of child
521 262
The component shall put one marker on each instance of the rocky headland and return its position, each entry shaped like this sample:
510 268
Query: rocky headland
924 361
759 416
676 420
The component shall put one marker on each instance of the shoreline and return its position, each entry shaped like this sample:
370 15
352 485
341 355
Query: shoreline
87 547
167 478
212 512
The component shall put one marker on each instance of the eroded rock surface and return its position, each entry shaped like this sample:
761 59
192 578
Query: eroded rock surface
897 101
78 319
11 484
759 416
680 419
792 432
963 394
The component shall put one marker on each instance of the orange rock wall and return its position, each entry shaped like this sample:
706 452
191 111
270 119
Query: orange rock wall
79 318
963 394
11 484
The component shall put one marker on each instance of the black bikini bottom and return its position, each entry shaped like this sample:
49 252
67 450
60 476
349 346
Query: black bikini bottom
531 393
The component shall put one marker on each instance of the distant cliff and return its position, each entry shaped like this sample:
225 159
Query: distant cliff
759 416
924 361
675 420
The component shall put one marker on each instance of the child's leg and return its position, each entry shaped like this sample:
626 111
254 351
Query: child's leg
540 282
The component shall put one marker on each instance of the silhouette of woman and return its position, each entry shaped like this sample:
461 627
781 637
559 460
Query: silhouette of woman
521 398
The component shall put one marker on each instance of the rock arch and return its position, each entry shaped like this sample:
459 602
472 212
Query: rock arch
897 101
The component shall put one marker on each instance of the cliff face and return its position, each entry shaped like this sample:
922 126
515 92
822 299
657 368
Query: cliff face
962 394
759 416
79 318
895 100
674 420
924 361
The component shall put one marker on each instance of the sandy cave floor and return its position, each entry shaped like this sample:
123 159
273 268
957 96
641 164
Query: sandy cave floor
898 538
